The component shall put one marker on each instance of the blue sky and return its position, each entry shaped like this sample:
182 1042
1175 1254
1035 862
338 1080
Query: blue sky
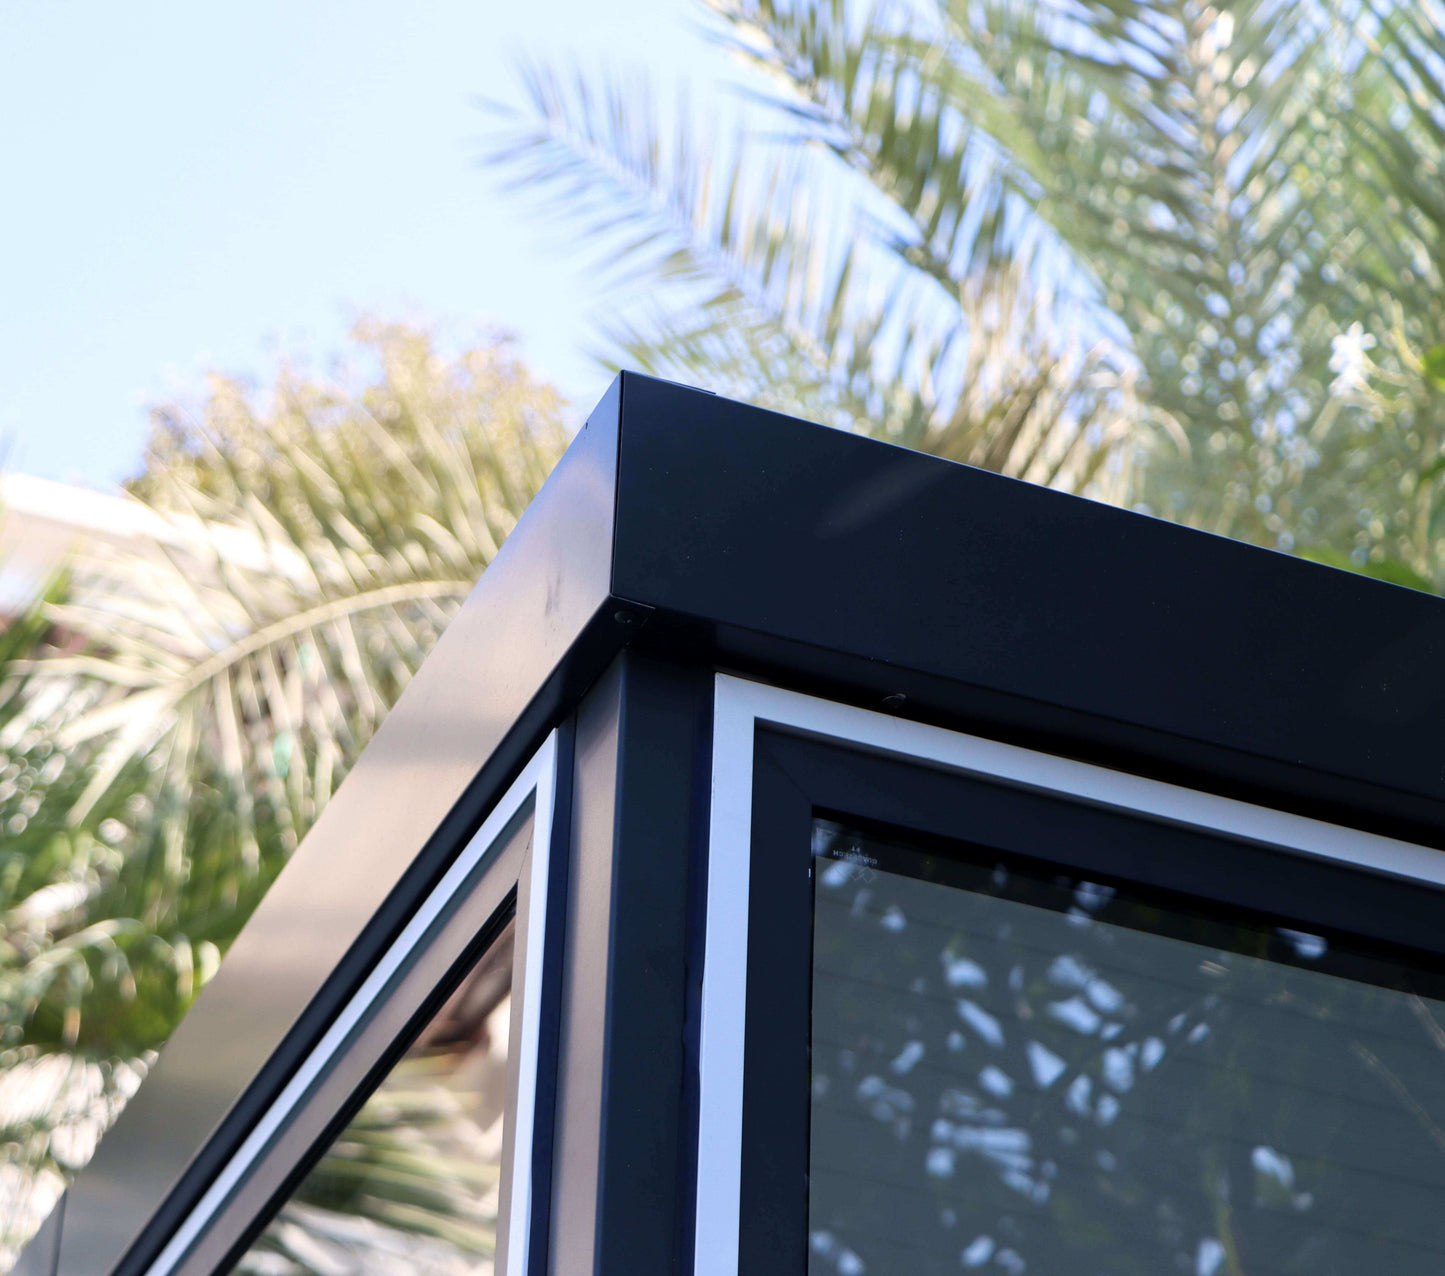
198 186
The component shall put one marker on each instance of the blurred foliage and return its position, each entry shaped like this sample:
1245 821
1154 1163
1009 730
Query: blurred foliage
411 1186
176 717
1212 231
395 1193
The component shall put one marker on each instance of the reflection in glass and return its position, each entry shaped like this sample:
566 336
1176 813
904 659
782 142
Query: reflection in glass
1017 1072
410 1188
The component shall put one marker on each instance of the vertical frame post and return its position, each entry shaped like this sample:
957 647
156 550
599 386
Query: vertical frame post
622 1183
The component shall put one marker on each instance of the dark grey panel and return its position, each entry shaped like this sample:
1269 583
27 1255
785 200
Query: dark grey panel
859 569
520 646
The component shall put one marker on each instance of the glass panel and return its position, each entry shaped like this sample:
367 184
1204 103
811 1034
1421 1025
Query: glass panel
410 1187
1017 1072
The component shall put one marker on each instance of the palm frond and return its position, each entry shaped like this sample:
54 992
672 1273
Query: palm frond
767 277
1143 162
318 553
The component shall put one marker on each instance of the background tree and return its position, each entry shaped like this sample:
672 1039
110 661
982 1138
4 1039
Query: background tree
176 721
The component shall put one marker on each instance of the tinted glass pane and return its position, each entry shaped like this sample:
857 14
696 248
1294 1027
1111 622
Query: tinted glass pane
410 1188
1016 1072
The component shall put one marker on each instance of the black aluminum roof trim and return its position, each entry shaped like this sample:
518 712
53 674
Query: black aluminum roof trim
814 555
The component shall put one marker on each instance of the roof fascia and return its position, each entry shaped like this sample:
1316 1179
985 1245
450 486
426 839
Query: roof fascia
861 570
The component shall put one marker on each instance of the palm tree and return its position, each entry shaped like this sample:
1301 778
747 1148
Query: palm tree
176 719
1196 221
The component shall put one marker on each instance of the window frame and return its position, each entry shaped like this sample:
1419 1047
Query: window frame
496 876
781 757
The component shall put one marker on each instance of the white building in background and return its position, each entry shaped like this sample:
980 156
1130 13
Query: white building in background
44 524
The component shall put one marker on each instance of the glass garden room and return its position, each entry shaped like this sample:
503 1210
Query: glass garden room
805 855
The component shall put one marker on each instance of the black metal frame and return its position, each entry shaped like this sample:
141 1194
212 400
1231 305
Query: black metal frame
681 535
866 573
797 780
